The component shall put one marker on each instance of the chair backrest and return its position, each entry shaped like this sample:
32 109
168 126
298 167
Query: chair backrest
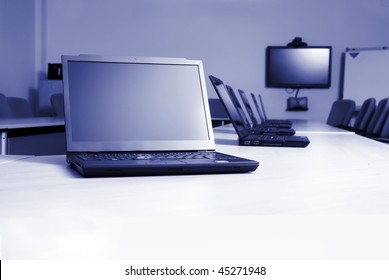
20 107
5 109
365 115
384 133
217 109
341 113
57 103
377 121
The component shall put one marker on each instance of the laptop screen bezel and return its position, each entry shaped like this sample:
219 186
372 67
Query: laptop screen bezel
130 145
235 117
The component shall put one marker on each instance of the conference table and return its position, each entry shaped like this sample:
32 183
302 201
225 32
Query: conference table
8 125
329 200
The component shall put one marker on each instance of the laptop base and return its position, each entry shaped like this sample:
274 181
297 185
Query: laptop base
110 168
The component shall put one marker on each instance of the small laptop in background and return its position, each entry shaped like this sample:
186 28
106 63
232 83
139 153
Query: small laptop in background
263 121
247 105
245 134
130 116
255 127
262 113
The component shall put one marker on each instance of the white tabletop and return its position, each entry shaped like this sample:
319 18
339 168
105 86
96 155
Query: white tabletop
4 159
304 126
16 123
322 201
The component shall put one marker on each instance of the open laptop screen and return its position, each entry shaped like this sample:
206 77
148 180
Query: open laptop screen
135 104
225 97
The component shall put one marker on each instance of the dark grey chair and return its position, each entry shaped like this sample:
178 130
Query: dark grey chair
57 103
385 129
5 109
218 113
341 113
364 116
20 107
384 133
378 119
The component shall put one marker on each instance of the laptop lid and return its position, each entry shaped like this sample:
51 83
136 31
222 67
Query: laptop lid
260 110
235 117
247 105
238 106
262 106
135 104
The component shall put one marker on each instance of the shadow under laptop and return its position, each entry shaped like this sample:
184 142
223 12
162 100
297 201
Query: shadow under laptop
226 131
57 162
233 142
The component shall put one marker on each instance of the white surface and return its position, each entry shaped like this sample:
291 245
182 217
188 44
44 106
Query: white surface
304 127
329 200
16 123
4 159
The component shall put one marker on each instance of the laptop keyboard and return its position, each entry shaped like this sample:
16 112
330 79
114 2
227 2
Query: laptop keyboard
156 156
281 138
272 138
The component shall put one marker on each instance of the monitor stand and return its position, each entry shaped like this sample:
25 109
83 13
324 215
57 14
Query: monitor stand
297 103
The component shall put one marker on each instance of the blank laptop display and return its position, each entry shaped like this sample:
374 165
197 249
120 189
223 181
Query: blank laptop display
140 116
262 114
256 127
246 136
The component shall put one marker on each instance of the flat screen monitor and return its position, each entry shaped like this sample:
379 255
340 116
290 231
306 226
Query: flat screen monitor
305 67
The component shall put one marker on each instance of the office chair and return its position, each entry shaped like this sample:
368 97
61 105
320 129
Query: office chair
378 119
341 113
385 129
57 103
384 133
364 116
20 107
5 109
262 112
218 113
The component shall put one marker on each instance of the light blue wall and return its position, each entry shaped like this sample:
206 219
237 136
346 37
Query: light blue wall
230 36
17 48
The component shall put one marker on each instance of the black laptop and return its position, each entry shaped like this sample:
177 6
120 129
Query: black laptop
262 113
283 129
252 116
128 116
255 126
246 137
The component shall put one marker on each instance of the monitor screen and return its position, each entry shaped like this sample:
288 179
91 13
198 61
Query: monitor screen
306 67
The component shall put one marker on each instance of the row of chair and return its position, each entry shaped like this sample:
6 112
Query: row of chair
371 121
16 107
57 103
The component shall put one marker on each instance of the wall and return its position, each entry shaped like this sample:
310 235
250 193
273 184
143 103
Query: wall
17 48
230 36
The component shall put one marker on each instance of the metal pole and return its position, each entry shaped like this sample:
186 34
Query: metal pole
4 140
